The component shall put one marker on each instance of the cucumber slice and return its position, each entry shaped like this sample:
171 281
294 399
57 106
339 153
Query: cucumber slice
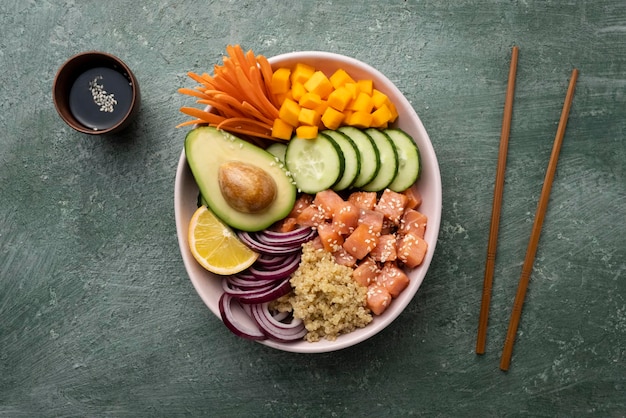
315 164
388 161
410 166
277 149
351 157
370 160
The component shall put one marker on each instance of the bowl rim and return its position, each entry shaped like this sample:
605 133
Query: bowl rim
67 73
434 178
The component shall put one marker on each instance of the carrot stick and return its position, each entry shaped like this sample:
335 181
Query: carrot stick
544 198
255 113
497 204
266 71
193 92
246 123
202 114
190 122
198 78
269 107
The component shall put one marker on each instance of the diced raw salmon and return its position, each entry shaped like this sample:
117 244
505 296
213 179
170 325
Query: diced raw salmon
412 250
329 202
378 299
329 236
316 242
366 272
346 218
392 204
371 218
392 278
363 200
360 242
385 249
285 225
302 202
344 258
414 223
414 198
310 216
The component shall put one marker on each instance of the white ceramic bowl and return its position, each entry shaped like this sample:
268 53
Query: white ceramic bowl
208 285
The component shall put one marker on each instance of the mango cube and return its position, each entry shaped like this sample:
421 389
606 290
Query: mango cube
301 73
320 84
340 98
332 118
289 112
362 103
280 81
306 132
339 78
308 117
310 100
281 130
366 86
360 120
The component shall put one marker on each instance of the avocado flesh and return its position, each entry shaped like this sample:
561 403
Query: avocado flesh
207 148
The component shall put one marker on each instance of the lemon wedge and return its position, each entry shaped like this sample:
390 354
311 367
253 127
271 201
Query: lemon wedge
215 246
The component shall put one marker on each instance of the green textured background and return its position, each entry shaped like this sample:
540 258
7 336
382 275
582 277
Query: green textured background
98 317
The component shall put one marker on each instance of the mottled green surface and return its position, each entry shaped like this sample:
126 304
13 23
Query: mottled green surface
98 317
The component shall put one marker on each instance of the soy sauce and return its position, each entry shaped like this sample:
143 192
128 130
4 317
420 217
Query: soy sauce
100 97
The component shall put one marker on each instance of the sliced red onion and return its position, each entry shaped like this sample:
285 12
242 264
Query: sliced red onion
275 329
249 239
291 265
249 284
270 261
226 303
293 238
264 294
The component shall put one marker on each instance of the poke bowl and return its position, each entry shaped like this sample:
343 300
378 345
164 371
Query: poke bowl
209 286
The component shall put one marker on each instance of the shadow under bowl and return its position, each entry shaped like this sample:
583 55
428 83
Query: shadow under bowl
96 93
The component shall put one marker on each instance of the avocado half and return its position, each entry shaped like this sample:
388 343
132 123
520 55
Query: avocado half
208 148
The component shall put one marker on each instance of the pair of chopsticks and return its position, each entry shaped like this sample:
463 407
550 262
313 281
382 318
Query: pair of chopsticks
518 303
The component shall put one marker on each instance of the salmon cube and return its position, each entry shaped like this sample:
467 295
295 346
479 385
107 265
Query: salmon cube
316 243
372 218
328 201
392 278
285 225
346 218
392 205
412 250
414 198
302 202
365 273
363 200
385 249
414 223
331 239
344 258
310 216
361 242
378 299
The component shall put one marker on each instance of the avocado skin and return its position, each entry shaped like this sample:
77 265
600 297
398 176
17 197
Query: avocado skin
206 148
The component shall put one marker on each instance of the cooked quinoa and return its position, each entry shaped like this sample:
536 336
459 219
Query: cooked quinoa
325 296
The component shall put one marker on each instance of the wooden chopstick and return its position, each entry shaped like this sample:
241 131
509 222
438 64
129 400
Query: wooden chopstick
507 351
497 204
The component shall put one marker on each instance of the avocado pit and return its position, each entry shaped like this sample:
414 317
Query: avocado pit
245 187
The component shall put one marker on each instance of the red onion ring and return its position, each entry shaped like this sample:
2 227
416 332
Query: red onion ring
291 264
226 303
260 247
264 294
275 329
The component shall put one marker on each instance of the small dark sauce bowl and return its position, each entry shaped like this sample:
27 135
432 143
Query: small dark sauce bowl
72 69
